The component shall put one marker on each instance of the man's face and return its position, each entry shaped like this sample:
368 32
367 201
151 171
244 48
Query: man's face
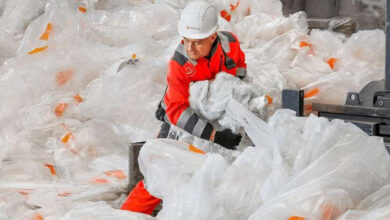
198 48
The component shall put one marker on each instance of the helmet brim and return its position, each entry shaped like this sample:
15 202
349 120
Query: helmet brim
190 35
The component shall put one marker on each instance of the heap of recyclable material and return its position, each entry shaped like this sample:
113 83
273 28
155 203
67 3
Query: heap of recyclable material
299 168
80 80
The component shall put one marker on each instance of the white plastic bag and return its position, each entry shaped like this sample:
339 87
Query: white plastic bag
210 98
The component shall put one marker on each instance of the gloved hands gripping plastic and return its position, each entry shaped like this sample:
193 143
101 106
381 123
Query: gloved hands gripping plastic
227 139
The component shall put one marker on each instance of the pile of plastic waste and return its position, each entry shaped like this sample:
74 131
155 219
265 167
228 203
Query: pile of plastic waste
80 80
300 168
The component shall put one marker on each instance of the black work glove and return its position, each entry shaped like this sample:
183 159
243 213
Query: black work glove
227 139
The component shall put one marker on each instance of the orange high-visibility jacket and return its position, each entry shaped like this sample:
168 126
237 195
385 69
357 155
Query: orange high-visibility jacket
226 55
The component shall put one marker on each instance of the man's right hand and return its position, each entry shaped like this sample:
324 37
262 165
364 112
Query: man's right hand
227 139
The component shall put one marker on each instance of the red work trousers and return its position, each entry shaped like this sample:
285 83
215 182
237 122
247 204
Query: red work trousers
140 200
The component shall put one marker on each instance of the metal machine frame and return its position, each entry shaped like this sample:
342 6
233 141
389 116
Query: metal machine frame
369 109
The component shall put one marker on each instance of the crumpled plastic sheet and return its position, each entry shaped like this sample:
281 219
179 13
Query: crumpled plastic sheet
15 16
375 206
102 211
64 134
210 98
321 174
69 108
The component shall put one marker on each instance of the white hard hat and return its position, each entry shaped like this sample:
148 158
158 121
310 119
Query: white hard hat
198 20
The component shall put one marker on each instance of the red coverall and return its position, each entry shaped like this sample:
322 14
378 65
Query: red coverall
225 55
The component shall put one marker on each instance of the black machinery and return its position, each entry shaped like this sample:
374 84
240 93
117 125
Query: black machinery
369 109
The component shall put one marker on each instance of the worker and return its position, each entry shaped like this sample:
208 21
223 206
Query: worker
202 53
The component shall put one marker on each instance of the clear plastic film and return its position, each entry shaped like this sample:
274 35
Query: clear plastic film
80 80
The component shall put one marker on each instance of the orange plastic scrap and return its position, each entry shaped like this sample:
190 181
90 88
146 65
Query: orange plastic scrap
60 109
99 181
51 168
67 137
37 217
311 93
24 192
234 7
82 9
45 35
37 50
67 141
194 149
119 174
133 56
225 15
303 44
78 98
49 26
296 218
269 99
64 194
332 62
64 76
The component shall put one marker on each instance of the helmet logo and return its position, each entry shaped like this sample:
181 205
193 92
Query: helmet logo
189 27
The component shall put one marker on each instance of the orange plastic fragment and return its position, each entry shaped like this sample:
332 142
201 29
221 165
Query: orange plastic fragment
37 50
311 93
60 109
64 194
303 44
78 98
66 138
234 7
24 192
49 26
332 62
82 9
45 35
225 15
37 217
269 99
64 76
296 218
194 149
133 56
51 168
119 174
99 181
